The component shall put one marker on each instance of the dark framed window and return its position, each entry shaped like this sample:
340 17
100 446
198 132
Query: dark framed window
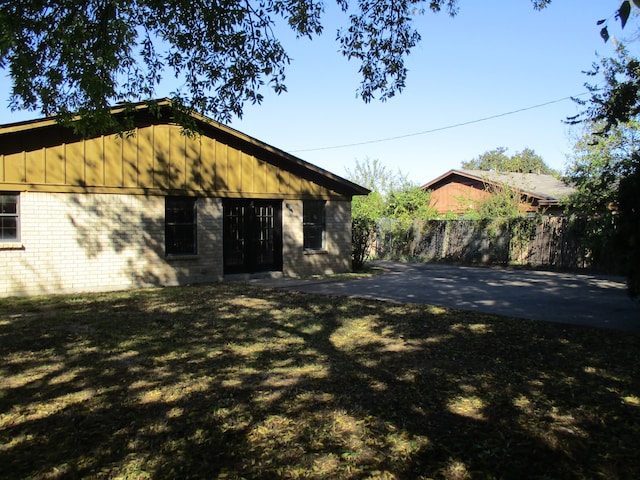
313 224
180 226
9 217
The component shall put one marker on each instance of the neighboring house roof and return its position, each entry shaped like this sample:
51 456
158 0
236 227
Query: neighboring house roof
47 132
547 189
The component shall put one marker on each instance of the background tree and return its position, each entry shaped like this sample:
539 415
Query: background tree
597 164
392 197
375 176
409 204
615 105
71 56
525 161
366 211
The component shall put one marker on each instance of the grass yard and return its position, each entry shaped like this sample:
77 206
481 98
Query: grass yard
230 381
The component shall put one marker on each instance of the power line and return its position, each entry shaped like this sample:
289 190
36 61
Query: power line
439 129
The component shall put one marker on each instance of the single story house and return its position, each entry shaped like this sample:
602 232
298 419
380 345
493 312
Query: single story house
155 206
460 191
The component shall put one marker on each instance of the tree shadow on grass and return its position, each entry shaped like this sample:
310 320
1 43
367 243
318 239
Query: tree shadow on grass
236 382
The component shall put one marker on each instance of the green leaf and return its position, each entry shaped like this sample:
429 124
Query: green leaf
604 33
623 13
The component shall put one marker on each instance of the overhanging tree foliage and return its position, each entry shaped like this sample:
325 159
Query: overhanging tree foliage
597 164
70 56
614 106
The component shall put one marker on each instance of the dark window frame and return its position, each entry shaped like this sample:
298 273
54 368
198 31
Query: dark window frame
314 225
180 226
7 214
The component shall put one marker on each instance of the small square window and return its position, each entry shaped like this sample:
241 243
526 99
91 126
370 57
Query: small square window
180 226
9 217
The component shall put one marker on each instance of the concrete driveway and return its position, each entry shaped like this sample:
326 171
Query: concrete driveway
592 300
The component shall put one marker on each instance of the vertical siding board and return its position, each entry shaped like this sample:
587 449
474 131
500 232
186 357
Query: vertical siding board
283 181
94 162
303 186
295 184
272 179
162 168
177 148
248 172
145 157
193 162
234 170
207 164
14 169
74 164
55 164
130 161
222 170
260 177
113 168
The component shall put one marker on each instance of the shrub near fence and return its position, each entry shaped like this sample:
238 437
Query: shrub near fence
567 243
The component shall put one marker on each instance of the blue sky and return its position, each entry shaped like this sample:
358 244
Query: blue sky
494 57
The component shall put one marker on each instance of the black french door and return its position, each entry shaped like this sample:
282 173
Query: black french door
252 235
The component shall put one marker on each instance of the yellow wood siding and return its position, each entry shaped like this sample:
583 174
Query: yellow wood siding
34 166
94 162
130 170
260 176
14 168
54 161
233 171
113 162
74 164
193 150
153 159
248 162
145 153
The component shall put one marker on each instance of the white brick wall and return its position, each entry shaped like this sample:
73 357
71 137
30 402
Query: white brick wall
97 242
336 258
93 242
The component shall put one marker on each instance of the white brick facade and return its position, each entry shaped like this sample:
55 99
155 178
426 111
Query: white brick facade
335 258
73 242
93 242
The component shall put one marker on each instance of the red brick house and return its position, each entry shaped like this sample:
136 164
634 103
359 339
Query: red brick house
460 191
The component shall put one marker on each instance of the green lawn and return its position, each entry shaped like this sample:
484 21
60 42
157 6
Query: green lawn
231 381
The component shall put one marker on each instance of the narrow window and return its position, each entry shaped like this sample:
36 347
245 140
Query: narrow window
313 224
9 217
180 226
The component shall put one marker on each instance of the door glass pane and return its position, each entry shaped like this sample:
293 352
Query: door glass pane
264 235
234 236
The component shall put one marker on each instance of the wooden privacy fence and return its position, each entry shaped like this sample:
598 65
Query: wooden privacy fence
568 243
